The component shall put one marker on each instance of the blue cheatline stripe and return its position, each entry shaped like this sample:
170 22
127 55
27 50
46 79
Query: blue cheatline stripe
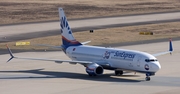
67 43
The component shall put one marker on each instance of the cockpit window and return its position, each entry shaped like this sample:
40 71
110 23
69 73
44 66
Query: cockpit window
150 60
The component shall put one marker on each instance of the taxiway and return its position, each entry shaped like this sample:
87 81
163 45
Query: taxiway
40 77
34 30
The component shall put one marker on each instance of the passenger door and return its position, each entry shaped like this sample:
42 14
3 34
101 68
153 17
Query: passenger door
139 61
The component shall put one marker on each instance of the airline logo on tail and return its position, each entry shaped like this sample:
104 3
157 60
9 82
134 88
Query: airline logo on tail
67 36
64 25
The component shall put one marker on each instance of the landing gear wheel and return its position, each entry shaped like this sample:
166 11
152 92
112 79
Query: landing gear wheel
118 72
147 78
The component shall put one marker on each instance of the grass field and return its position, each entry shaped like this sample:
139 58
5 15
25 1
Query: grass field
17 11
108 36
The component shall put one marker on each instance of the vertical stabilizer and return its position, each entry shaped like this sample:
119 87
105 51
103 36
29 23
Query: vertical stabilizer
67 36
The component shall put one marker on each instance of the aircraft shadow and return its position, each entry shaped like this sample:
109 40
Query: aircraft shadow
53 74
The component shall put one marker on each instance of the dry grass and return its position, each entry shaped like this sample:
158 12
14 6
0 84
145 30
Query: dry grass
16 11
109 36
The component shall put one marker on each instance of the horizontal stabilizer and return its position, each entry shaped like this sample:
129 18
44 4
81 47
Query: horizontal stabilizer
86 42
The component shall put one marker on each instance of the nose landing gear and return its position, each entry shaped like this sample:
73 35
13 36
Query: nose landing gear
147 78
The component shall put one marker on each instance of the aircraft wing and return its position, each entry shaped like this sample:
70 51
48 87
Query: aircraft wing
43 59
166 52
161 53
56 60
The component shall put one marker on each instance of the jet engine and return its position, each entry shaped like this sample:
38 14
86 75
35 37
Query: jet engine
94 69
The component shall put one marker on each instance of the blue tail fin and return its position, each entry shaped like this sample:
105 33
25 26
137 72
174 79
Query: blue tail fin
67 36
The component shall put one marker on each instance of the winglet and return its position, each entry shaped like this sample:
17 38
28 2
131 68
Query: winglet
170 45
9 53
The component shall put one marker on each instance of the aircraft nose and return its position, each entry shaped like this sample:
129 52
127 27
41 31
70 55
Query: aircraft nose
156 66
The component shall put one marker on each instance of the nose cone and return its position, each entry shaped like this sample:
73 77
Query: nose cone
156 66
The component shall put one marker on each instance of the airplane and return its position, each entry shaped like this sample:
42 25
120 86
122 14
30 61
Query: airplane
95 59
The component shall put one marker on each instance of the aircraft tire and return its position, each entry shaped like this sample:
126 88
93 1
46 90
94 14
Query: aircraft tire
118 72
147 78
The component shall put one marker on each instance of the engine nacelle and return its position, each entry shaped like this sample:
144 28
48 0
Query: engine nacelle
94 69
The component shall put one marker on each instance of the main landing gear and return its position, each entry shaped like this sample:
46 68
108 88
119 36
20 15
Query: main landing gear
118 72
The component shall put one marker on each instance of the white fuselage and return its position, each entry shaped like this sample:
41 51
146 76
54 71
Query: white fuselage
116 58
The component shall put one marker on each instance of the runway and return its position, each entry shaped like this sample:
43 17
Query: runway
40 77
34 30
